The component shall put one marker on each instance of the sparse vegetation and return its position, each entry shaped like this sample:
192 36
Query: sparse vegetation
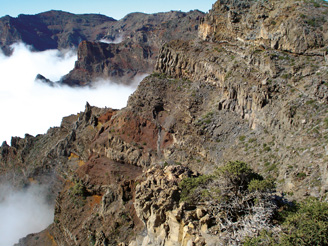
242 138
238 175
78 193
304 223
251 140
301 175
228 74
78 189
326 122
310 102
159 75
286 76
265 238
256 115
265 185
189 186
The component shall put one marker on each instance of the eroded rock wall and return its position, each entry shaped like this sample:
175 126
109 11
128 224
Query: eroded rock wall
283 25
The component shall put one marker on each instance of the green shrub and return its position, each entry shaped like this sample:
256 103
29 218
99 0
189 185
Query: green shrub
317 5
267 149
265 238
312 22
188 187
78 189
242 138
308 225
301 175
208 115
309 102
266 185
238 174
159 75
302 224
326 122
286 76
251 140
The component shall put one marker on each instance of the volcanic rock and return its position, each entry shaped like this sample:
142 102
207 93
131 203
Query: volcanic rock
239 92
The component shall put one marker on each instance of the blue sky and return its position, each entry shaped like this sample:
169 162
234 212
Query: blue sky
113 8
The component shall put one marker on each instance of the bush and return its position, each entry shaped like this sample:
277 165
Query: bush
308 225
265 238
266 185
242 138
238 174
301 175
78 189
188 187
305 223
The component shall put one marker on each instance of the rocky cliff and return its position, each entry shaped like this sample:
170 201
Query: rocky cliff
169 169
120 51
284 26
137 39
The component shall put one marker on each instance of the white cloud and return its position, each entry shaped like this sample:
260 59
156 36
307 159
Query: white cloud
117 40
22 212
31 107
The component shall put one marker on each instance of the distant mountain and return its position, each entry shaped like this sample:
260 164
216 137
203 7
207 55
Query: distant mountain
137 39
52 29
141 36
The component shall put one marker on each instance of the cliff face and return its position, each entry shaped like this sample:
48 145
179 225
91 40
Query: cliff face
234 94
274 24
139 38
275 90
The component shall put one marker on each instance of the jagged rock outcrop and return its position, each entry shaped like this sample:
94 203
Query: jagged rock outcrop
157 205
279 25
169 220
44 159
140 38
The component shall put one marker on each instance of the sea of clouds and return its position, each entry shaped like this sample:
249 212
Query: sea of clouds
29 106
22 213
32 107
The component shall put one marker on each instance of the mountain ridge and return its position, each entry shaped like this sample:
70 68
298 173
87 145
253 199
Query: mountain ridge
50 30
140 35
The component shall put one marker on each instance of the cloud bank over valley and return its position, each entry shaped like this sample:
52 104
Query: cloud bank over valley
22 212
29 106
